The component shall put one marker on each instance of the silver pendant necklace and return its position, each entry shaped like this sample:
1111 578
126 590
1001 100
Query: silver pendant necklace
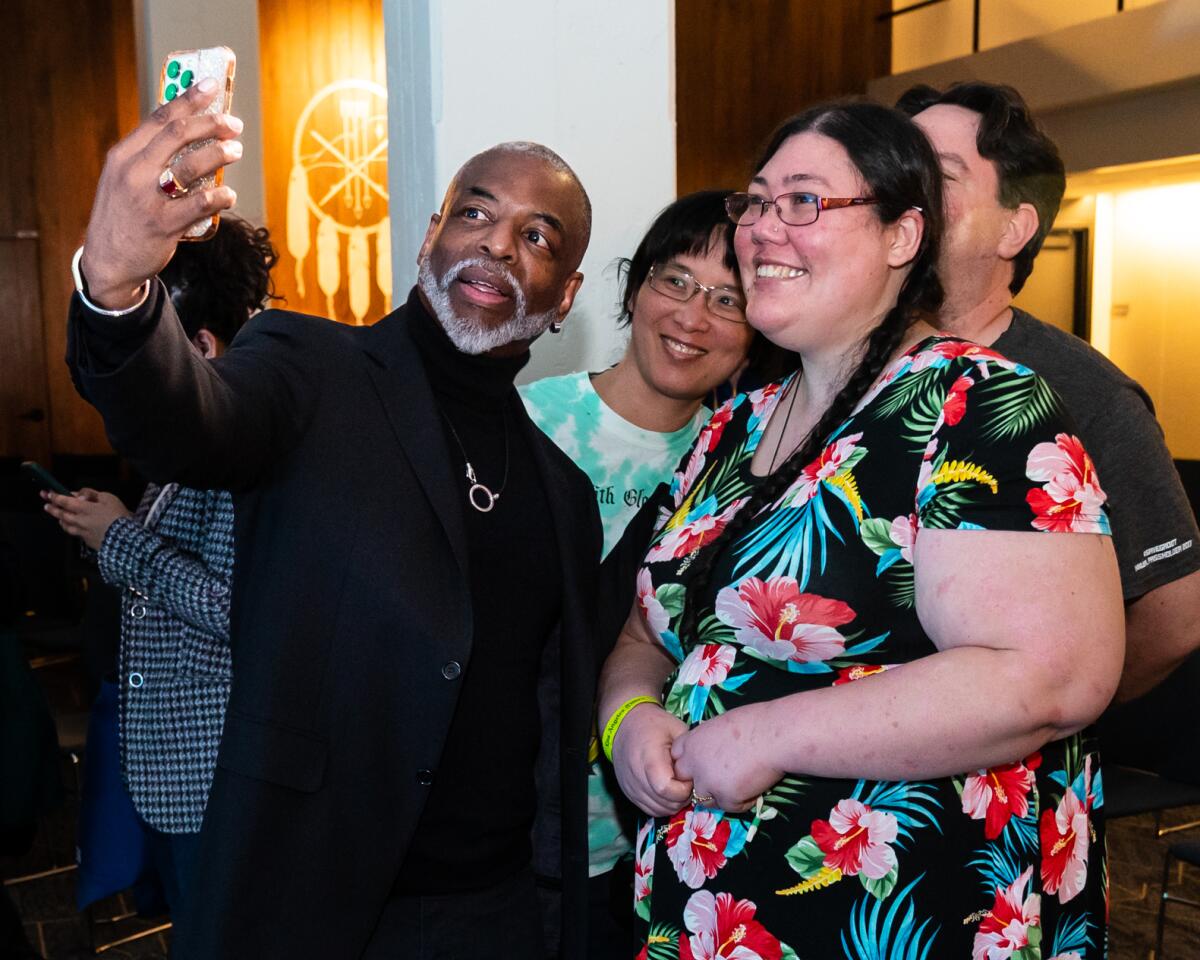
479 495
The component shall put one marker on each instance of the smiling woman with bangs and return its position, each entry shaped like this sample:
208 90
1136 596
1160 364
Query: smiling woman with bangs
628 426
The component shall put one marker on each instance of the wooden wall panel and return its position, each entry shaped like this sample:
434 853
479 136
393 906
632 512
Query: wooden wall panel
24 424
332 171
24 429
82 128
69 86
742 66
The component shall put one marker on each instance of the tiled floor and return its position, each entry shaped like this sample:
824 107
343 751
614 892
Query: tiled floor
1136 858
53 925
59 932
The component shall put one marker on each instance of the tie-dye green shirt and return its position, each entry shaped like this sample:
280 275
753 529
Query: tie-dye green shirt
625 463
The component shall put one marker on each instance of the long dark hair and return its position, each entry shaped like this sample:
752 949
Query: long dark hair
901 172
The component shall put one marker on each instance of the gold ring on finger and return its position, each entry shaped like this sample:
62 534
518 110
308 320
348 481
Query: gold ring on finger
171 185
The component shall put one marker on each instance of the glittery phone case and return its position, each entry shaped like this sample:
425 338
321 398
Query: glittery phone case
181 70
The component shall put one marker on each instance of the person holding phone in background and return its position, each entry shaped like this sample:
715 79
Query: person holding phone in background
173 560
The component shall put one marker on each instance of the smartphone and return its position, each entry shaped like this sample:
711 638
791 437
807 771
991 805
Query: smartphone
44 479
181 70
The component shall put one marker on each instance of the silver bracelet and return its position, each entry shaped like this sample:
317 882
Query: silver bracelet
81 289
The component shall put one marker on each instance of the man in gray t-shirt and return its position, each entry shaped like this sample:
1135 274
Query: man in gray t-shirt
1004 183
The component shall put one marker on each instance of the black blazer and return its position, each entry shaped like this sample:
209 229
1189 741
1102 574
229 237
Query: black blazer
349 597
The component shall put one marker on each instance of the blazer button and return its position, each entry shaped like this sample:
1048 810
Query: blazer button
425 777
136 680
452 670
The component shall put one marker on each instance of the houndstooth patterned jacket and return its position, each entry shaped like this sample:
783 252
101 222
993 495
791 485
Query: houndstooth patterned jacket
176 572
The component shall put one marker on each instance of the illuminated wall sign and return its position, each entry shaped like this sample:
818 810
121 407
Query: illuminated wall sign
325 143
337 189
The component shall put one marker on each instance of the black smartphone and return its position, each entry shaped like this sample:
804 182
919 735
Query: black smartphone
44 479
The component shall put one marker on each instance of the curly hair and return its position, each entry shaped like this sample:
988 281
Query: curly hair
217 284
901 172
1027 162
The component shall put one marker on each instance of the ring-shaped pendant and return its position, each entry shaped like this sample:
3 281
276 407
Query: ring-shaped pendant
484 491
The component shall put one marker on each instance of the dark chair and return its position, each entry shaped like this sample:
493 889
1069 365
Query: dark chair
1186 851
72 737
1129 792
1152 757
1151 750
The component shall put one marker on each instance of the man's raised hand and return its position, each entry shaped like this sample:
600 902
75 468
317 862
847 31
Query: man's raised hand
134 225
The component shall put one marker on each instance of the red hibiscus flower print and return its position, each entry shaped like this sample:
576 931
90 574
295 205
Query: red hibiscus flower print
683 480
707 665
693 534
956 401
860 671
937 353
856 838
904 535
1071 498
1065 834
696 841
779 622
831 460
643 867
657 618
761 399
710 436
1005 928
722 928
998 794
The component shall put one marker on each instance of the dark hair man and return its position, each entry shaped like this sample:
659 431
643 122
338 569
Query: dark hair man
1004 183
172 560
411 600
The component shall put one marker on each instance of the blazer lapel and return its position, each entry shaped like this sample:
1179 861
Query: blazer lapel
403 387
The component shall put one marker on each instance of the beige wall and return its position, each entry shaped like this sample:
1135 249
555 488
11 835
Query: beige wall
944 31
1132 52
931 34
1155 329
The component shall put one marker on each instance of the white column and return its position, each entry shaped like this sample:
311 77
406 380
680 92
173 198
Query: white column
593 81
166 25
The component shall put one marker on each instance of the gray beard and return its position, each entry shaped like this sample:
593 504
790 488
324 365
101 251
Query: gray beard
469 336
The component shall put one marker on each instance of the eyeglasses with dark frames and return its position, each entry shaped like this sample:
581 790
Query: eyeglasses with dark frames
677 284
794 209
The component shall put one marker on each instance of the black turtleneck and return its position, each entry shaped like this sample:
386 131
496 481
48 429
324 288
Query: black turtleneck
474 831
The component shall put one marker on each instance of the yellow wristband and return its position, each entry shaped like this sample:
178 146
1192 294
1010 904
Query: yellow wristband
614 722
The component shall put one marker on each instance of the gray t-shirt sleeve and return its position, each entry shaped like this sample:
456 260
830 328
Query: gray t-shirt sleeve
1154 528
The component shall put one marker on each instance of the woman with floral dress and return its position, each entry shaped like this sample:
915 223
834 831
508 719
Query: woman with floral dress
868 652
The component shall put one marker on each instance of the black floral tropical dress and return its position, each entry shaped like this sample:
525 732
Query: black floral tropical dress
991 864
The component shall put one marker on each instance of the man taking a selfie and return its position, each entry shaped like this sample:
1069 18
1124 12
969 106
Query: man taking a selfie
413 572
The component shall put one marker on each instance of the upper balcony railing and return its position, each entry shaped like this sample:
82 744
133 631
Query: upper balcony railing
931 31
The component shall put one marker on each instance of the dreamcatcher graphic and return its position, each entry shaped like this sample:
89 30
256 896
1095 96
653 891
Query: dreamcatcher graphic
339 181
